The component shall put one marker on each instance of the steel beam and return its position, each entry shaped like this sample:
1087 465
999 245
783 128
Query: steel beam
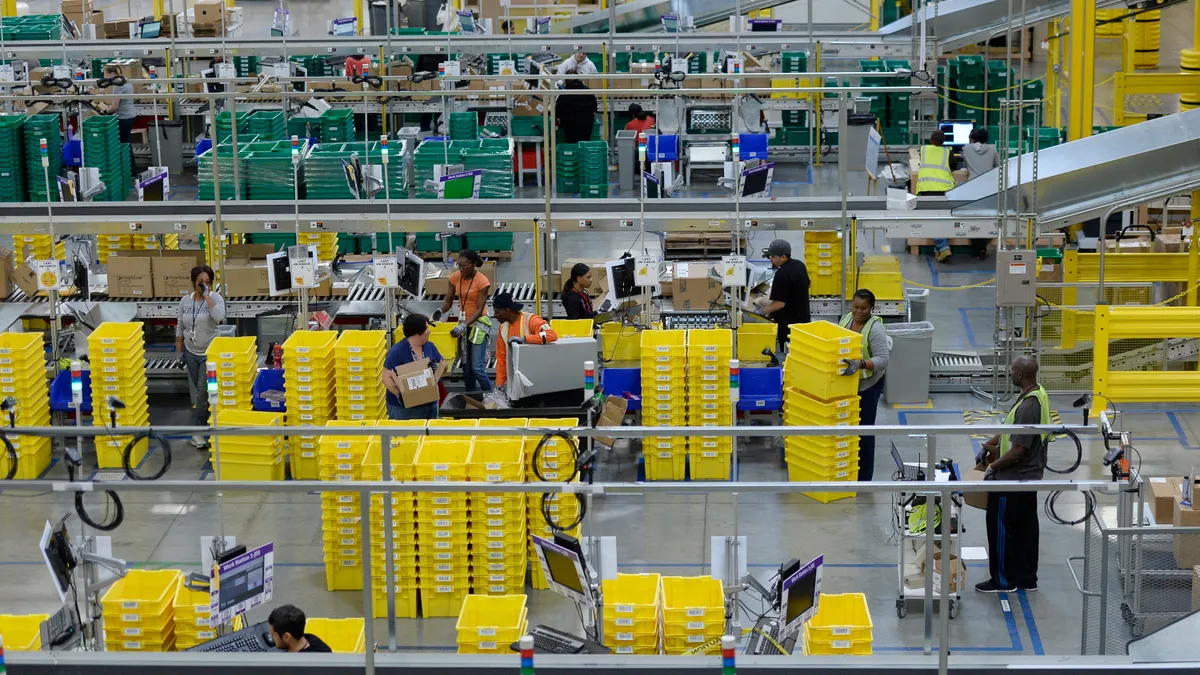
1081 82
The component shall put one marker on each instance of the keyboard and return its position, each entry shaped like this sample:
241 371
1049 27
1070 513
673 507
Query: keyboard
60 628
256 638
547 640
758 644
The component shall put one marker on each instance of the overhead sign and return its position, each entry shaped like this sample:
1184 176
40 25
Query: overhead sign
242 584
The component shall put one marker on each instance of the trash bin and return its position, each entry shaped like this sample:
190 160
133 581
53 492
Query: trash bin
918 303
379 17
858 128
166 144
626 158
907 379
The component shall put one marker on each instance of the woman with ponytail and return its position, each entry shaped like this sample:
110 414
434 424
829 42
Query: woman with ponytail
575 298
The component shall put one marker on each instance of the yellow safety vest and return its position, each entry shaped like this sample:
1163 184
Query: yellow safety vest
1043 402
866 333
524 321
935 175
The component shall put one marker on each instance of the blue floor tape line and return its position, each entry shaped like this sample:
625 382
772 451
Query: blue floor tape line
1010 622
1035 637
1179 432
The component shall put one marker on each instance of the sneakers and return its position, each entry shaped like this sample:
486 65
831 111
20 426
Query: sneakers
989 587
1029 589
199 442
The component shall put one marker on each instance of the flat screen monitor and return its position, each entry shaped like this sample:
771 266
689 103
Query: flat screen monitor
801 594
151 30
460 185
56 551
564 570
623 273
756 181
343 27
958 132
411 272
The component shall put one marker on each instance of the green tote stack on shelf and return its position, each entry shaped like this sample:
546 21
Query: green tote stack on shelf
271 173
225 162
268 125
337 126
464 126
12 158
225 126
567 168
493 156
325 175
593 169
38 127
102 149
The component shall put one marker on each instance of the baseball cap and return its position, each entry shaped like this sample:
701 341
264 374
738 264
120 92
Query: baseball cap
779 247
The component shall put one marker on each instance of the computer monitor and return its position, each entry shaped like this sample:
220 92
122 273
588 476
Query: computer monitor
466 21
460 185
670 23
56 551
564 570
958 132
801 594
651 186
411 272
279 273
756 181
151 30
622 274
242 583
343 27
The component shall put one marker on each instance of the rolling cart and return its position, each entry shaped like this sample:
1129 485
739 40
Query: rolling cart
951 517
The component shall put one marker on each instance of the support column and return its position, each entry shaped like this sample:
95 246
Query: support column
1082 72
9 7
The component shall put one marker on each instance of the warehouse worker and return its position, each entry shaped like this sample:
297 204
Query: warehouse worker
980 158
576 64
200 312
517 327
287 632
413 347
1012 517
936 178
123 108
576 299
576 113
788 303
870 370
471 288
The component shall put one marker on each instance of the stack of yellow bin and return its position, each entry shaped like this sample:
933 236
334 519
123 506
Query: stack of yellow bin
108 244
143 242
444 522
360 392
841 627
498 520
405 548
23 377
633 613
192 625
36 246
254 458
554 466
344 636
818 394
310 384
236 359
823 258
326 243
489 625
118 357
693 614
22 632
343 459
664 374
709 352
139 612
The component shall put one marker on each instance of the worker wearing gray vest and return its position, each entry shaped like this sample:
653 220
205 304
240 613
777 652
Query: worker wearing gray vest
869 369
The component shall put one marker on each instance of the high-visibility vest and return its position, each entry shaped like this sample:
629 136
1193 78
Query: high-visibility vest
935 175
1044 414
866 342
525 317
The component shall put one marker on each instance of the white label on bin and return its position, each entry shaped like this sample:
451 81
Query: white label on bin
493 478
841 644
441 467
695 625
131 617
348 531
349 563
441 523
443 556
625 637
495 522
442 534
129 605
444 578
441 479
695 611
345 509
346 499
841 630
487 632
696 638
842 474
492 466
625 609
205 634
132 645
441 512
625 650
665 455
495 534
709 453
445 589
497 555
495 544
487 645
624 622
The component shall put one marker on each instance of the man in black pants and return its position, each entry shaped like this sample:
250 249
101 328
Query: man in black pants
788 303
1012 517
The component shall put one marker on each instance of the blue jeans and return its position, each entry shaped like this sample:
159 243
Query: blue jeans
429 411
940 245
475 377
868 407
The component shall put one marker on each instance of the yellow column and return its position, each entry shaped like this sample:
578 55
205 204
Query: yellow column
876 14
10 7
229 4
358 14
1050 97
1193 255
1082 66
158 10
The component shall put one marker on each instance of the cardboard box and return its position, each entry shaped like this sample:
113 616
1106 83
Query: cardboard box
958 572
694 289
1185 547
245 278
208 12
1162 497
248 251
612 415
599 274
26 279
119 28
97 23
418 382
526 105
76 6
6 272
173 275
130 277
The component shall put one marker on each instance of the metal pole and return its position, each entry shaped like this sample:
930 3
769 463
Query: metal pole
931 450
389 578
217 238
843 168
237 192
364 499
949 566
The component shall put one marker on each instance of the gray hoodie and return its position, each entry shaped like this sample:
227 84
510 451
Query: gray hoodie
980 158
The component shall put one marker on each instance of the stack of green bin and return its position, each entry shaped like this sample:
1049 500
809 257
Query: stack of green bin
493 62
246 66
494 156
12 159
1047 137
225 162
32 27
566 168
314 65
430 153
268 125
794 62
325 177
225 126
593 169
625 59
103 150
37 127
337 126
464 126
270 172
303 127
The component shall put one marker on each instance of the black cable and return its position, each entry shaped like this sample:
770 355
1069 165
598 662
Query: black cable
114 500
549 498
537 453
12 457
1089 500
1078 452
127 456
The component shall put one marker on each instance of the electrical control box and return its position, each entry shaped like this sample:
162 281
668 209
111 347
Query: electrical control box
1016 278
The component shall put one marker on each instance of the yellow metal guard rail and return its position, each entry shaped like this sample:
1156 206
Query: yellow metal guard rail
1117 323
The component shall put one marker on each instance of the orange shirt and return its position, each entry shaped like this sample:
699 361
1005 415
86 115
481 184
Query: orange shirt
469 293
518 329
640 126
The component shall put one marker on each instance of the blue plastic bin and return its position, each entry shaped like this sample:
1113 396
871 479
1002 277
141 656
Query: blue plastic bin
60 392
268 379
621 381
762 389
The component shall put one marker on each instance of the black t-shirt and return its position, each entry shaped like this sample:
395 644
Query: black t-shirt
316 645
791 288
575 306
